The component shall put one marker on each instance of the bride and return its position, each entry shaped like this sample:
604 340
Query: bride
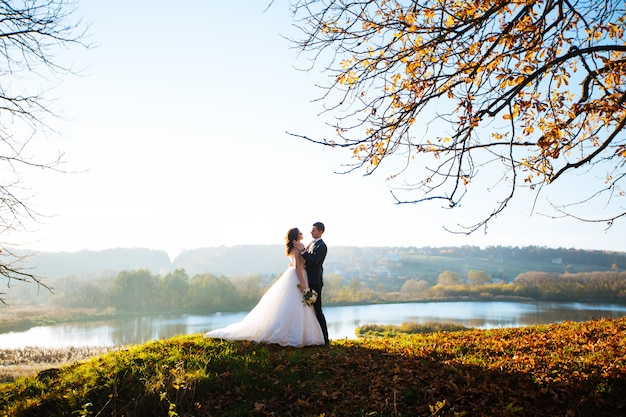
281 316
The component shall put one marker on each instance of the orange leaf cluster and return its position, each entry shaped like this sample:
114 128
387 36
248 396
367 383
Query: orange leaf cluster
548 76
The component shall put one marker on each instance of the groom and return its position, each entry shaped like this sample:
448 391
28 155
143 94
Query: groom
314 255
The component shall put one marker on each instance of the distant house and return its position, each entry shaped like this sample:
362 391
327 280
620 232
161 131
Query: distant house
557 261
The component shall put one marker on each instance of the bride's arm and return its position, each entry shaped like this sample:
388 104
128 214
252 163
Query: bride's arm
299 268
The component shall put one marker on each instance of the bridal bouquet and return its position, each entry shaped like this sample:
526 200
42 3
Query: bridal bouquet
309 297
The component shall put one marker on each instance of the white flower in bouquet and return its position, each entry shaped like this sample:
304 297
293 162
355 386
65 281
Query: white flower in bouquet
309 297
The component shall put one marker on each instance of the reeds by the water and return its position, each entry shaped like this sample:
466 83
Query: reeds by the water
390 330
15 363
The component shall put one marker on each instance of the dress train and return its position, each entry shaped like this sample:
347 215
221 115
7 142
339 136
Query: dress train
280 317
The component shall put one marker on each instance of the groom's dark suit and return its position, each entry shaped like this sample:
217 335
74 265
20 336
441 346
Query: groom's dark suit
314 257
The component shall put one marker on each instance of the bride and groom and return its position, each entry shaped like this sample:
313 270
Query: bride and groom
283 316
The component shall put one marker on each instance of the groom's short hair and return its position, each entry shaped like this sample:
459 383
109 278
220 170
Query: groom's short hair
319 226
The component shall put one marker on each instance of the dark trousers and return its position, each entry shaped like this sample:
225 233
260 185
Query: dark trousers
317 306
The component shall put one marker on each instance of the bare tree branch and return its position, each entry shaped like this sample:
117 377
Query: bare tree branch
31 32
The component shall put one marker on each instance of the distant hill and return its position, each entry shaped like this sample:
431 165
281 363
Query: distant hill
233 260
236 260
395 263
54 264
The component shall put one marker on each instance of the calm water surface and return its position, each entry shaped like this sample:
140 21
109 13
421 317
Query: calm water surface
342 321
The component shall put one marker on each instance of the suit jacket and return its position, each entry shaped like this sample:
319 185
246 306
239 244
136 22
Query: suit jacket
314 258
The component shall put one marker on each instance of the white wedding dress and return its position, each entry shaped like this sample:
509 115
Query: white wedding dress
280 317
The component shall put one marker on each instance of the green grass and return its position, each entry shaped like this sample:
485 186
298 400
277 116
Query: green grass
568 369
390 330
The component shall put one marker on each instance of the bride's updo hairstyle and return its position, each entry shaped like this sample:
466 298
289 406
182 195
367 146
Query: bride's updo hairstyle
292 235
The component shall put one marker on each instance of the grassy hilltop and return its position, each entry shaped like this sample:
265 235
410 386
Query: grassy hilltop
567 369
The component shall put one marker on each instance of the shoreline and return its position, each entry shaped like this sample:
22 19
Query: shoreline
22 318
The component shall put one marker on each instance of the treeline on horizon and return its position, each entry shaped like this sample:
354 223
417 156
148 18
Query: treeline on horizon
140 291
352 275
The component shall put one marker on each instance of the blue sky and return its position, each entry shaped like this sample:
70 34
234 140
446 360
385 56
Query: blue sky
176 134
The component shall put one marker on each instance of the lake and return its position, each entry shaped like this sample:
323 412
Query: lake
342 321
